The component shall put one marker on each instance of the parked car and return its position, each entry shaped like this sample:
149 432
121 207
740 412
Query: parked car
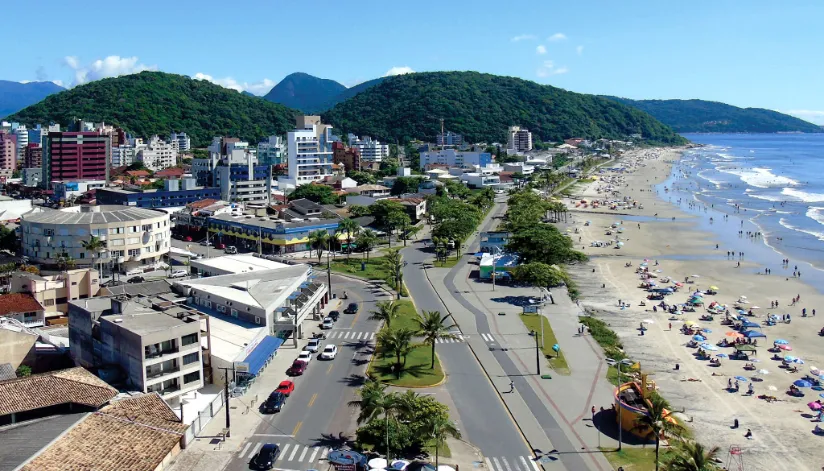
220 246
179 274
305 356
334 315
136 279
231 250
327 323
274 403
312 346
329 352
352 308
266 457
205 243
188 238
297 368
286 388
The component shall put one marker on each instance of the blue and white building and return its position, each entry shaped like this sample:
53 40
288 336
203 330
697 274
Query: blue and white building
455 158
309 149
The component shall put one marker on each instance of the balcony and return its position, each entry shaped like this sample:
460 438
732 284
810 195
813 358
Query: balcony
163 372
158 354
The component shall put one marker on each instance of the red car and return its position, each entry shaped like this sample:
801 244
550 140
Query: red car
188 238
220 246
297 368
286 387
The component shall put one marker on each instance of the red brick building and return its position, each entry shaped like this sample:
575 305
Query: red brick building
73 156
348 156
33 157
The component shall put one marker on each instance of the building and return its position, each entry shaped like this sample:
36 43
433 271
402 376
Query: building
454 158
519 139
309 151
55 292
158 154
23 308
11 209
449 138
494 241
22 135
135 238
32 176
33 156
519 167
171 197
231 264
370 150
73 156
154 341
123 155
72 189
244 183
270 151
347 156
480 180
37 133
8 154
414 205
184 143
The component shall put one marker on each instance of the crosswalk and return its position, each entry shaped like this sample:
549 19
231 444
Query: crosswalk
343 335
349 335
458 338
511 463
289 452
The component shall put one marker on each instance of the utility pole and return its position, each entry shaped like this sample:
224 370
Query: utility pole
226 394
537 353
620 423
329 274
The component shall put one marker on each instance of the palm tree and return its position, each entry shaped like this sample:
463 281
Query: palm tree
656 422
375 402
692 456
366 240
349 227
397 342
95 245
442 428
394 261
319 240
387 310
431 326
66 262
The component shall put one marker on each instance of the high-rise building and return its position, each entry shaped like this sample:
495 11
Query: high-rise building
270 151
72 156
449 138
309 151
8 153
371 150
184 143
123 154
349 157
22 139
158 154
453 158
37 133
519 139
33 157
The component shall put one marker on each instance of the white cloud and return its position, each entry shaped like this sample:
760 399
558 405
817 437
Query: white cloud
523 37
59 83
548 68
557 37
540 50
255 88
111 66
579 50
812 116
398 71
25 81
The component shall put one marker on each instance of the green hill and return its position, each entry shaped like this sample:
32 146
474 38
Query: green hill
305 92
156 103
711 116
15 96
482 106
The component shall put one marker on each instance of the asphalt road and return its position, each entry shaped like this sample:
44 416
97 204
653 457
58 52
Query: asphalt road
316 416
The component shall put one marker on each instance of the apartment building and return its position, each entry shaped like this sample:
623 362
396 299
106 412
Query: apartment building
371 150
349 157
8 154
72 156
519 139
454 158
270 152
158 154
23 308
123 155
449 138
55 292
244 183
309 152
22 134
33 156
184 143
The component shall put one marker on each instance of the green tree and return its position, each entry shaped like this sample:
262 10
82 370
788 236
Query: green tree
363 178
539 275
137 165
395 264
432 326
406 185
349 227
543 243
319 239
386 311
8 239
689 455
396 343
357 210
442 428
320 194
66 262
656 423
23 371
397 220
382 210
375 402
95 245
365 241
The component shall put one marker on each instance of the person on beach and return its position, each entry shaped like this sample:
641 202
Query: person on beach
748 435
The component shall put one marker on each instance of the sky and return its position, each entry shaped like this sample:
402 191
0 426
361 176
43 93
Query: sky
749 53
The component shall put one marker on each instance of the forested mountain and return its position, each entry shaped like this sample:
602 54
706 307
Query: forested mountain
712 116
14 96
481 106
156 103
305 92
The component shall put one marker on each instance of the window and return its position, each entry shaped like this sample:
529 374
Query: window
133 240
191 377
257 320
132 229
49 302
82 254
188 339
191 358
221 308
48 232
234 312
61 300
147 227
74 283
134 252
116 242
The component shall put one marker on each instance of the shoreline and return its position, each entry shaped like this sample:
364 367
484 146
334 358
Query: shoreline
685 245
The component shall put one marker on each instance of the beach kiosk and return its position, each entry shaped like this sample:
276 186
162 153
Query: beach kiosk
631 400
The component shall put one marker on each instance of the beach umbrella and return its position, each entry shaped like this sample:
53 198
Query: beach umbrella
821 395
376 463
679 284
696 276
789 358
733 334
698 338
798 361
762 371
690 323
781 342
814 405
814 370
755 307
772 388
668 290
648 321
722 355
742 297
785 347
443 467
802 383
714 288
750 334
711 348
742 379
705 345
399 465
749 324
708 331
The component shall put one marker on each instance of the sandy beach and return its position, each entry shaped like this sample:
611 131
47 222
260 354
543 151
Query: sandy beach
679 238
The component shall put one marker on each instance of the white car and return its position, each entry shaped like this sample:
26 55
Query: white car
305 356
312 346
179 274
328 323
329 352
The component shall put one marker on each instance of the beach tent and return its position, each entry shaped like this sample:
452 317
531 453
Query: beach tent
750 334
744 348
749 324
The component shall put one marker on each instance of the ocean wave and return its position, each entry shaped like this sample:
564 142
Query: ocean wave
759 177
816 214
751 193
804 196
717 183
818 234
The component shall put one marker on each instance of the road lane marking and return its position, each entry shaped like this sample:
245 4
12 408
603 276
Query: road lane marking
325 452
294 452
372 336
506 463
303 455
523 462
347 335
331 335
489 464
534 465
361 335
329 370
497 464
245 449
283 450
315 451
297 428
272 435
312 400
255 449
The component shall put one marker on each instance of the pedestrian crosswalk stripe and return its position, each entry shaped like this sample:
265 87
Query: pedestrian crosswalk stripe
523 462
372 335
325 452
245 448
298 453
255 449
294 452
497 464
534 465
488 338
489 464
314 453
501 463
283 450
506 463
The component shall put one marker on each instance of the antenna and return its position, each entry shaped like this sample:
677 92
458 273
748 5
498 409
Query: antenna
443 138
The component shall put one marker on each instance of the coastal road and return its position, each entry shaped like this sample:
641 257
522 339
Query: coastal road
317 418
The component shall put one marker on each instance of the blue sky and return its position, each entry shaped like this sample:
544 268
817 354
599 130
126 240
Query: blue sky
746 53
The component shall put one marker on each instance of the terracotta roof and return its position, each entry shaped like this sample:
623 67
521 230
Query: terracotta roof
133 434
18 302
170 172
137 173
74 385
195 205
505 176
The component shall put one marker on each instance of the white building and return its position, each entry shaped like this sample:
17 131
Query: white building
454 158
22 140
309 152
449 138
230 264
371 150
270 151
123 154
519 167
184 143
519 139
479 180
158 154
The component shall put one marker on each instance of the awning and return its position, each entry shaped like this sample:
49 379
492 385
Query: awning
262 353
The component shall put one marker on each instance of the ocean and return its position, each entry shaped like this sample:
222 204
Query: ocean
770 183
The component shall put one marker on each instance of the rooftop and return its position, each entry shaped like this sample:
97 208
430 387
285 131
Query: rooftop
74 385
13 303
261 289
229 337
240 263
145 322
149 288
276 223
146 430
21 442
106 214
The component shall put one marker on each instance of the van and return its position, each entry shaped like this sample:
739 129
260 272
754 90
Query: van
231 250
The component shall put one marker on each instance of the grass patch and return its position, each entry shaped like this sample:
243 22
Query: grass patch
606 337
416 374
634 458
449 263
612 375
406 316
376 268
556 360
443 451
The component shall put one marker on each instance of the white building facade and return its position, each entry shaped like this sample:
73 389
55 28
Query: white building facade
158 154
123 154
519 139
371 150
22 139
309 152
184 143
455 158
270 151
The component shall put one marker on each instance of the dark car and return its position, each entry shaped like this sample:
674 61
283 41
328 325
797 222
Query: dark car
136 279
352 308
274 403
266 457
334 315
297 368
